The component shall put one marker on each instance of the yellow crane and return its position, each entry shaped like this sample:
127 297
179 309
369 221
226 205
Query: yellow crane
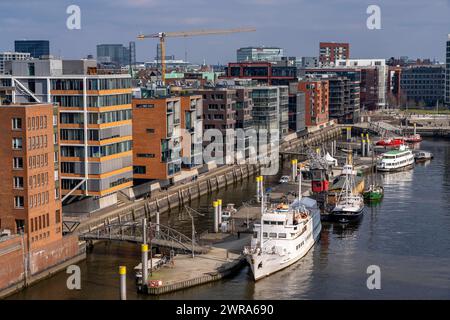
184 34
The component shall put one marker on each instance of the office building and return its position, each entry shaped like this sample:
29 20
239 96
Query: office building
30 197
423 86
270 73
296 109
330 52
309 62
255 54
115 54
36 48
11 56
95 123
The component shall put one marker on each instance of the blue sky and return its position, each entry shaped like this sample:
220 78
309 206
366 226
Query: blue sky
415 28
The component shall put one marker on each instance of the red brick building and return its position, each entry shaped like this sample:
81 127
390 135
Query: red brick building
332 51
316 101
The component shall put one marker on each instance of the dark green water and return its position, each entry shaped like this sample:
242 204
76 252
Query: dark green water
407 235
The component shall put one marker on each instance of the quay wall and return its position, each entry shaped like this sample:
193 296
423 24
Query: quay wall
20 268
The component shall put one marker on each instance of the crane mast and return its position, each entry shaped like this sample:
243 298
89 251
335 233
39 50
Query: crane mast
184 34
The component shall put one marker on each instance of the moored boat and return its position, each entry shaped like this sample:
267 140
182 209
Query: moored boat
349 206
415 138
285 234
395 142
421 156
396 160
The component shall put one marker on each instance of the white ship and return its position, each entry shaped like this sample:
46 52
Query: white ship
396 160
289 231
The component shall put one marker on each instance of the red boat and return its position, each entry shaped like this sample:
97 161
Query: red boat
414 138
391 142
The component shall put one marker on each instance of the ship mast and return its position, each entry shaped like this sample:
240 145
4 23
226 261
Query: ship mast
262 213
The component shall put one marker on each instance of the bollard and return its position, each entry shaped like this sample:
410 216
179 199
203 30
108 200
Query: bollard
294 169
258 191
123 282
144 250
363 148
219 208
216 211
368 144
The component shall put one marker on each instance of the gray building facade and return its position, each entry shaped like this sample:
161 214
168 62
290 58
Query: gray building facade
424 85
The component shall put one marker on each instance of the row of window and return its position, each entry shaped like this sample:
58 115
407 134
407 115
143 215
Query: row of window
38 161
93 101
39 223
43 235
38 180
38 199
96 118
37 142
96 151
36 123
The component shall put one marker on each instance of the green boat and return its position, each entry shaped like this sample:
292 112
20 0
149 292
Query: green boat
374 193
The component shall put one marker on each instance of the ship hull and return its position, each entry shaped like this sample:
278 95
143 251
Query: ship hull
407 167
346 216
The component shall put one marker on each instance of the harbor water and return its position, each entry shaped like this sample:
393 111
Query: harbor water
407 236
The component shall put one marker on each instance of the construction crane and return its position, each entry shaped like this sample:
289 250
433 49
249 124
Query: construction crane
184 34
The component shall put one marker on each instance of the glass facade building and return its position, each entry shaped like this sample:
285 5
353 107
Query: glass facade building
269 54
36 48
447 74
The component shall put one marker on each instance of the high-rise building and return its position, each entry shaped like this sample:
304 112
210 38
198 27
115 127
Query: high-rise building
36 48
332 51
296 109
269 54
116 54
447 74
423 85
95 123
316 101
11 56
30 196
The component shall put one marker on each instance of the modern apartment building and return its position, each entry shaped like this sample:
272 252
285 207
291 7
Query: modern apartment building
316 101
95 123
270 73
11 56
192 130
423 86
447 73
374 74
296 109
345 92
30 196
157 152
330 52
250 54
36 48
244 120
219 112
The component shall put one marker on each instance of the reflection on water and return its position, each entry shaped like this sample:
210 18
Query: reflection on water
406 234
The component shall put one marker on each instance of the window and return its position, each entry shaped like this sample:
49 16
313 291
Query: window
17 163
145 155
18 202
282 235
147 106
17 123
57 216
17 143
150 130
139 169
18 182
272 235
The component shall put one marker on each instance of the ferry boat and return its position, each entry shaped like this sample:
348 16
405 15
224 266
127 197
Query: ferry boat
350 205
285 234
422 156
396 160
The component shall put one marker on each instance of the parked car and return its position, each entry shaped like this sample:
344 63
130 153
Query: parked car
284 179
